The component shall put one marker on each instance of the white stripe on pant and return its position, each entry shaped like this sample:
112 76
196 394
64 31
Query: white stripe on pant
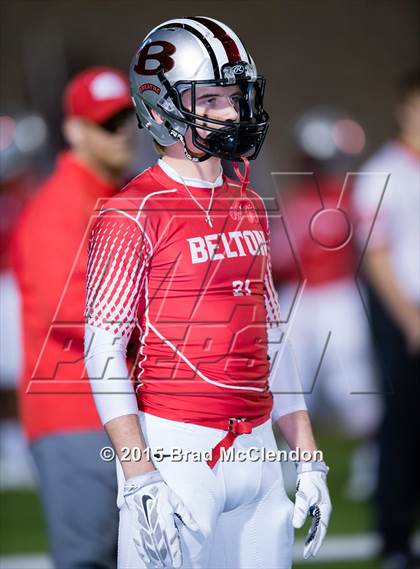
242 508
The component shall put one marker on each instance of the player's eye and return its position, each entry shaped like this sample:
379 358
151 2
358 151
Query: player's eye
235 99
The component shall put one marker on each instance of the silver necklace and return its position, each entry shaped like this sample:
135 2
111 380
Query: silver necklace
206 212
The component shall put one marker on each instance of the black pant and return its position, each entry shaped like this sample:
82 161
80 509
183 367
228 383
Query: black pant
398 494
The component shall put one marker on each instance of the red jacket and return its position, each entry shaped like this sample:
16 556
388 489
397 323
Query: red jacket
49 252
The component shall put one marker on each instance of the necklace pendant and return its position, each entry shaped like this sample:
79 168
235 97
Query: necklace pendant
209 220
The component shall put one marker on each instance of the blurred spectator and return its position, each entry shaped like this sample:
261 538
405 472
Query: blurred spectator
388 199
23 137
314 265
78 489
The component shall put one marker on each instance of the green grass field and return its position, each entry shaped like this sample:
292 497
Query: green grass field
22 529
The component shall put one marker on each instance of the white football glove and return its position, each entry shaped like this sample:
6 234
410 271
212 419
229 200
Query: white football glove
313 498
153 508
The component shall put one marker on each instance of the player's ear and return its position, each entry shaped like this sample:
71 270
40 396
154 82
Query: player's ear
74 131
156 115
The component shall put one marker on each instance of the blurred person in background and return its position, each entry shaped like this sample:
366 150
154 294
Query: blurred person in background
23 137
387 197
314 266
78 489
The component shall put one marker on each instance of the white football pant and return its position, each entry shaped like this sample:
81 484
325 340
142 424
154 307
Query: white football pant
242 508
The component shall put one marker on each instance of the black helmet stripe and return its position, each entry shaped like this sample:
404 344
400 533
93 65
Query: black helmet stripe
203 40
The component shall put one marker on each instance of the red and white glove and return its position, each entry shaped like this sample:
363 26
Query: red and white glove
153 508
313 498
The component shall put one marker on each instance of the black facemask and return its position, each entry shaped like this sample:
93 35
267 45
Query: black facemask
227 140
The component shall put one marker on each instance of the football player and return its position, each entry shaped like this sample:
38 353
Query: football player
182 256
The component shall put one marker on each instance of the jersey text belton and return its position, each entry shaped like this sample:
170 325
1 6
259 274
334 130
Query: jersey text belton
217 246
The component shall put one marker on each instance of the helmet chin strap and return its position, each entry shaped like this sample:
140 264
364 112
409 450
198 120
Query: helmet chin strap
193 157
187 153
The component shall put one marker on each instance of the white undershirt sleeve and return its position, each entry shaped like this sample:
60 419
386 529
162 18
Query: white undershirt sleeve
286 390
105 362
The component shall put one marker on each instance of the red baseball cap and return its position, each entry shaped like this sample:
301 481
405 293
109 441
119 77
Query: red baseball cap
97 94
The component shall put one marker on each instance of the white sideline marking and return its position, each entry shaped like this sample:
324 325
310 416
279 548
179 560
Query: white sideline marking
356 547
34 561
336 548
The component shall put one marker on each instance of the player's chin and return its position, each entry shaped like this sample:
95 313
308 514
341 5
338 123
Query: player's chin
201 138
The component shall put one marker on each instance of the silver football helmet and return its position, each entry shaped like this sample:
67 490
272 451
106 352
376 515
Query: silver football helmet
185 53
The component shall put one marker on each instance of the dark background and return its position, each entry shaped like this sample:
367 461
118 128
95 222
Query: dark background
341 53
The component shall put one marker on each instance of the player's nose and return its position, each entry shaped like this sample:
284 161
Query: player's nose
228 112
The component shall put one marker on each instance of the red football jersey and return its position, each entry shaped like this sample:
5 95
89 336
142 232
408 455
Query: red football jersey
199 290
